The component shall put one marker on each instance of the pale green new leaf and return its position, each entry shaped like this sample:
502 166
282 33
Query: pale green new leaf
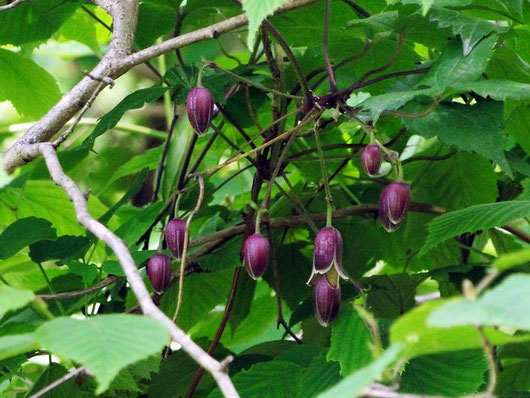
105 344
421 338
257 11
29 87
504 305
17 344
13 299
475 218
510 260
352 385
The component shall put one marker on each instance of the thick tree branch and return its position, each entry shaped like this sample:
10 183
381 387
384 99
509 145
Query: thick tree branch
116 61
12 5
216 368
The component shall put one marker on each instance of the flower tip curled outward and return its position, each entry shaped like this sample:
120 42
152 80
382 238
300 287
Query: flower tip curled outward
393 205
175 233
159 272
326 299
200 106
327 253
371 159
256 255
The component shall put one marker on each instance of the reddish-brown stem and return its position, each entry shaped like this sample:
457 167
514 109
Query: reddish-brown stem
325 47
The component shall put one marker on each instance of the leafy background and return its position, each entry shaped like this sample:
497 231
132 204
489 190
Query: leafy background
460 124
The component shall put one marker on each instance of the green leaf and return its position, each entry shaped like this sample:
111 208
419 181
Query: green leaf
509 260
243 301
62 248
132 230
81 28
29 87
16 344
257 11
450 374
471 30
46 200
105 344
496 89
133 101
504 305
452 67
392 100
392 295
53 372
34 21
518 123
421 338
426 6
202 292
472 219
382 23
350 341
165 16
13 299
353 385
225 257
320 376
478 128
23 233
149 159
274 379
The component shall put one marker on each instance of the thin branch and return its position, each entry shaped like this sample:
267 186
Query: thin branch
162 162
248 82
489 351
295 221
432 158
517 232
308 98
325 47
12 5
58 382
80 293
117 61
277 289
358 8
186 242
216 368
381 391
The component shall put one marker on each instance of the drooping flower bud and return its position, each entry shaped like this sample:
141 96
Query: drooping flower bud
327 253
393 205
371 159
326 299
256 255
159 272
200 106
175 233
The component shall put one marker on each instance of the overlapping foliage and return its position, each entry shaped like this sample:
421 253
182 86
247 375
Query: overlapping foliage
443 83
